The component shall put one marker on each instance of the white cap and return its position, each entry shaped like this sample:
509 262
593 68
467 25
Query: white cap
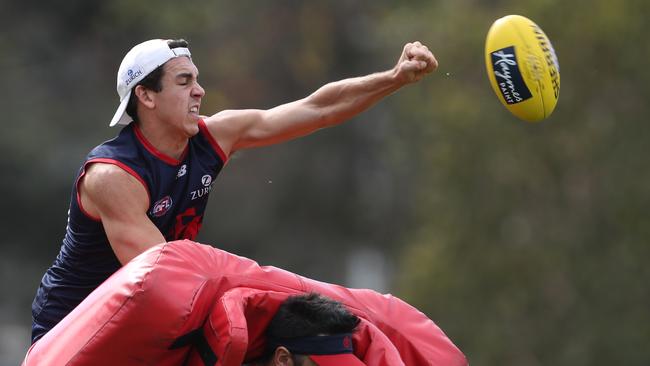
139 62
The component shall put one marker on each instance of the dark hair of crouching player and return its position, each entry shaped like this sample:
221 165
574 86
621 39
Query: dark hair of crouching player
310 330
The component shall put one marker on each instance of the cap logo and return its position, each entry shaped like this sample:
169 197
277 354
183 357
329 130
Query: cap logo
347 343
132 75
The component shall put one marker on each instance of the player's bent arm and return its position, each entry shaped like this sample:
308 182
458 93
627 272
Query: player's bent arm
329 105
121 203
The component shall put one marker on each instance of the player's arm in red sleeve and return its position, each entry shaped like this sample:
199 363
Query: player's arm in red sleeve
330 105
121 202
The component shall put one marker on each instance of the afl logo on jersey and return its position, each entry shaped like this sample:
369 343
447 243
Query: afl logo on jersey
162 206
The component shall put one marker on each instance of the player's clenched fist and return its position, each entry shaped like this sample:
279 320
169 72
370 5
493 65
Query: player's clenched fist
415 62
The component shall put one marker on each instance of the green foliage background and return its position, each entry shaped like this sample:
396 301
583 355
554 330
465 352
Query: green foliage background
526 243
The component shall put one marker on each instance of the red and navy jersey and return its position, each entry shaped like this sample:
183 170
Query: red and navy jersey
178 193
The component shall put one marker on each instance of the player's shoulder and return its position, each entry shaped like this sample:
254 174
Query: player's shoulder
107 189
104 177
228 126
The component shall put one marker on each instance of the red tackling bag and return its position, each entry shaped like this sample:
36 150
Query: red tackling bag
184 303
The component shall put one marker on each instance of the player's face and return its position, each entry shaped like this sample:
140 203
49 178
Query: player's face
179 101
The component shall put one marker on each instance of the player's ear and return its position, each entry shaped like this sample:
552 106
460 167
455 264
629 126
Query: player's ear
145 96
282 357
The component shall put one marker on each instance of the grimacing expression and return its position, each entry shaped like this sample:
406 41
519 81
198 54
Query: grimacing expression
179 101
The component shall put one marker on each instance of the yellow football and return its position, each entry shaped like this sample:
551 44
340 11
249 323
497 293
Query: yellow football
522 67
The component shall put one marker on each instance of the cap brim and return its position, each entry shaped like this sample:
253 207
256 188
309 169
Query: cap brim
121 117
343 359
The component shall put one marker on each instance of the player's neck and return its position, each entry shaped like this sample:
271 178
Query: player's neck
170 143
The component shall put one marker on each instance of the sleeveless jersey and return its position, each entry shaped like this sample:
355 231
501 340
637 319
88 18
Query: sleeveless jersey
178 191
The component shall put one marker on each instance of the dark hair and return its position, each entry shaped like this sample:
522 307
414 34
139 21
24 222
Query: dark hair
153 81
311 315
308 315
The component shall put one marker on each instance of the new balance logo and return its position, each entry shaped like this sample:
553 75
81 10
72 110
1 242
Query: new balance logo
181 171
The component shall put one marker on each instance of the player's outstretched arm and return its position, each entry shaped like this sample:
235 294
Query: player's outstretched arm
330 105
